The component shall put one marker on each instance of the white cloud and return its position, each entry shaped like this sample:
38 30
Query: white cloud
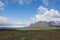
50 3
27 1
5 22
24 1
42 9
46 15
45 2
21 1
1 6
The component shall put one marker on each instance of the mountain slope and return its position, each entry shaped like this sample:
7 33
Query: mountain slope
41 25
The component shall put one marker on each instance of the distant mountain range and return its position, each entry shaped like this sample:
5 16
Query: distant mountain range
37 26
5 28
43 25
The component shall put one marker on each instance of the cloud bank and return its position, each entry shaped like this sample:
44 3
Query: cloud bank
46 15
5 22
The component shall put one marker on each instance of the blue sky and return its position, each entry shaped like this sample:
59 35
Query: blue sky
20 11
23 10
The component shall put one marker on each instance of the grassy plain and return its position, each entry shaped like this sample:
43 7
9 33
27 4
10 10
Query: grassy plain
53 34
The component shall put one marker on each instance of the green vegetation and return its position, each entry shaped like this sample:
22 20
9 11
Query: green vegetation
30 34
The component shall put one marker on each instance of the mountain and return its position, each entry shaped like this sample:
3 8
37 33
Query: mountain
42 25
37 26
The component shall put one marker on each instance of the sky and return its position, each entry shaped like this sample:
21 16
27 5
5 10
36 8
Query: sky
21 13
